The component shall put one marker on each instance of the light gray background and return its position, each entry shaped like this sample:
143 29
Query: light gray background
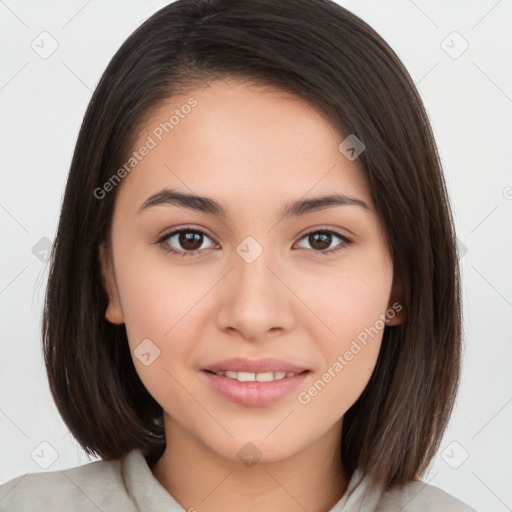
469 100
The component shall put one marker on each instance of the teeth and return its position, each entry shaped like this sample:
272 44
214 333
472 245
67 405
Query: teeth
255 377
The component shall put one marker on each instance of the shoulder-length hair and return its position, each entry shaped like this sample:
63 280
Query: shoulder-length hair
330 58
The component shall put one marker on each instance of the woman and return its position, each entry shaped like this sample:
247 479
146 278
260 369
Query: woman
254 293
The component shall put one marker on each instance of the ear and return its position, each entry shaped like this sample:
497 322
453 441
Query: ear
396 309
114 313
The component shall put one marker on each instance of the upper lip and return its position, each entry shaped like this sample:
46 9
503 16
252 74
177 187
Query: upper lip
268 364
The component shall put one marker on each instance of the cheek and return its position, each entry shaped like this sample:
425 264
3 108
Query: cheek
155 303
337 388
157 297
349 308
160 305
349 302
348 356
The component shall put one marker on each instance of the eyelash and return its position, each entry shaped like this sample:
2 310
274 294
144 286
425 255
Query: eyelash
162 242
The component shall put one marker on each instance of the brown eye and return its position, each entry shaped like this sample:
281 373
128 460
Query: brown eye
184 242
321 240
189 240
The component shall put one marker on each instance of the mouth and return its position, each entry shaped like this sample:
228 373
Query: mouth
242 376
253 389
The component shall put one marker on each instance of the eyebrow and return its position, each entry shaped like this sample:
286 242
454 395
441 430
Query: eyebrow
207 205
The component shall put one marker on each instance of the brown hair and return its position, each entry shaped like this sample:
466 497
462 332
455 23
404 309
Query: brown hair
330 58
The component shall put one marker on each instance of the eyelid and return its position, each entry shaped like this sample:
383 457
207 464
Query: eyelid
161 240
177 229
345 240
330 229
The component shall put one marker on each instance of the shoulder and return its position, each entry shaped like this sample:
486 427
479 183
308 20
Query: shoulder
420 497
93 486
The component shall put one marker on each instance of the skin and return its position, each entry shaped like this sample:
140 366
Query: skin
252 149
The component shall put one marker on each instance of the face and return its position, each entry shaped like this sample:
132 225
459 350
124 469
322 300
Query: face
199 285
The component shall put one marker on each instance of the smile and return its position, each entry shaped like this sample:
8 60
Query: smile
255 377
253 389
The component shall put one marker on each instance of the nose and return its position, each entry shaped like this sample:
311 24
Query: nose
255 300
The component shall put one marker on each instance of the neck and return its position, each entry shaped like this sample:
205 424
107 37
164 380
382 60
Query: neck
198 478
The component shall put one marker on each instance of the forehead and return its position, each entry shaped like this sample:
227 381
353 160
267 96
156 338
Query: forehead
240 143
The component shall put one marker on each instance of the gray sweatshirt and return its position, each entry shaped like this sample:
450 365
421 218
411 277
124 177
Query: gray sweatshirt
128 485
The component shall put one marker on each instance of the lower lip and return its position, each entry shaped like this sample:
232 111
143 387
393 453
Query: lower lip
253 393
